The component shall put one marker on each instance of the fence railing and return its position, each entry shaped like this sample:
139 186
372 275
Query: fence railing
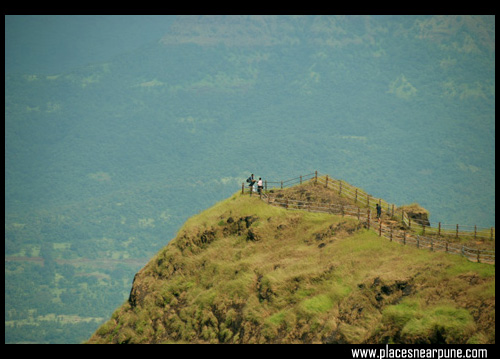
437 245
451 230
417 233
290 182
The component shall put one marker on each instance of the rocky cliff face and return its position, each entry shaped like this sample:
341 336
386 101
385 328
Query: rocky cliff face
247 272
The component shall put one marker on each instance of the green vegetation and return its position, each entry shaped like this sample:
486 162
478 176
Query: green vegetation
105 162
443 323
246 272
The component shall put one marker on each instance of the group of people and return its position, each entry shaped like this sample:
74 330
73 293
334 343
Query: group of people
251 181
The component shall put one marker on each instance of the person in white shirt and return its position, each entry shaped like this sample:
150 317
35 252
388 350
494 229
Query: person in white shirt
260 186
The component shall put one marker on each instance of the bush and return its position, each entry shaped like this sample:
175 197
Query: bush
438 325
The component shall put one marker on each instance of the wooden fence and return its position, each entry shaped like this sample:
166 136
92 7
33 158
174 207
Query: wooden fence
436 244
452 230
363 207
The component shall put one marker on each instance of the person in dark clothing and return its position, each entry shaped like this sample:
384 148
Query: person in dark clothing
251 181
379 211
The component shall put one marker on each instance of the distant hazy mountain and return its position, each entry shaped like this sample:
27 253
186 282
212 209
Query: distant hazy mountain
52 44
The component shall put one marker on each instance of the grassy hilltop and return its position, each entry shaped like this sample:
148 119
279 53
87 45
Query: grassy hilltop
247 272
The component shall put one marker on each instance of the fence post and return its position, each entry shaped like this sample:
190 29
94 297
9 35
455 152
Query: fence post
439 233
340 187
243 188
432 245
391 235
356 197
300 179
418 241
281 184
380 229
265 185
478 256
359 210
392 214
326 182
475 232
456 236
368 201
316 176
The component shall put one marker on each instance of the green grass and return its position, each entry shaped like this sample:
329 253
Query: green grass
318 304
295 276
442 323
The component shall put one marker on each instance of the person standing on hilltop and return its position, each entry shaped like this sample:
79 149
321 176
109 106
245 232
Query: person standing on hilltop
379 211
260 186
251 181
